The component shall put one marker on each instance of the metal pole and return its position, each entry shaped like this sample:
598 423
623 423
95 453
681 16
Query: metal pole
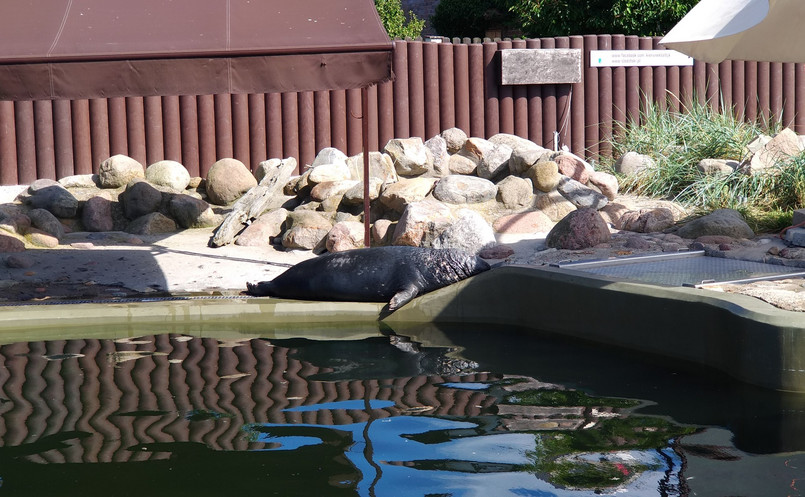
367 237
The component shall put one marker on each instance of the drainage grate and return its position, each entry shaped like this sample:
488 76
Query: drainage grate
682 269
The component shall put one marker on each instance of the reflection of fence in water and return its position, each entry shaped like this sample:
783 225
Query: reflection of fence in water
81 389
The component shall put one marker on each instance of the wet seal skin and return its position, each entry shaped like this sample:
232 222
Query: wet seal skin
380 274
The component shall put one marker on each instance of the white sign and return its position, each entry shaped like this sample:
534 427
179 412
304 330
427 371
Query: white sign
638 58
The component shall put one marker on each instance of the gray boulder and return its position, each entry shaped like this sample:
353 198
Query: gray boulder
52 196
460 189
515 192
454 139
580 195
410 156
119 170
154 223
421 223
306 229
44 220
168 173
470 233
191 212
727 222
140 198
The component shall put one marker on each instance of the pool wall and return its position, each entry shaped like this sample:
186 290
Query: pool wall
739 335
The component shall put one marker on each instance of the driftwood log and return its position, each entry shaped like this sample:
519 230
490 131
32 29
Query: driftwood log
251 205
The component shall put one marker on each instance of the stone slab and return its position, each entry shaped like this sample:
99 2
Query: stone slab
796 236
528 66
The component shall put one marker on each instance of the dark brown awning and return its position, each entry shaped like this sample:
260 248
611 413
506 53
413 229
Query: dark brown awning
106 48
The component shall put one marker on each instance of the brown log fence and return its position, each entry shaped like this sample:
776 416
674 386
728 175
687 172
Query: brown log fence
437 86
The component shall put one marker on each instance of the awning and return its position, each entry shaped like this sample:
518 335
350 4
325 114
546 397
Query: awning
53 49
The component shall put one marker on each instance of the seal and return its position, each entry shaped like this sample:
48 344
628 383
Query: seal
394 274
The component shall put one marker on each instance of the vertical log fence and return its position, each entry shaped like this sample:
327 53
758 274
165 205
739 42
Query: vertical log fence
437 86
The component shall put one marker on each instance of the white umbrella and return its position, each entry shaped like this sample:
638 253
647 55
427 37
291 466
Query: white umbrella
763 30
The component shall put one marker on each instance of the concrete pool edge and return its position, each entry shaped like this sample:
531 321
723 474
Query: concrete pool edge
736 334
741 336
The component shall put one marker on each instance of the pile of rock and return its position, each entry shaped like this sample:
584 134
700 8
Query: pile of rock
451 191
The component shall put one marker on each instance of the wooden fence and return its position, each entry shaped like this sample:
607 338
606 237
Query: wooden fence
437 86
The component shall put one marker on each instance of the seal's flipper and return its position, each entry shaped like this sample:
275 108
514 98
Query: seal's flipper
402 297
261 289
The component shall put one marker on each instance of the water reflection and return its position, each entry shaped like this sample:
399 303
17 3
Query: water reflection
174 415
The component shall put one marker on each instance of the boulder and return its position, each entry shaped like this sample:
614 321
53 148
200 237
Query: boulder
441 158
329 155
580 195
10 243
80 181
329 189
647 220
491 160
354 196
227 181
553 204
97 214
52 196
397 196
305 230
410 156
782 147
380 167
515 192
45 221
572 167
716 167
524 223
470 233
726 222
458 164
263 230
168 173
460 189
632 163
454 139
39 238
421 222
345 235
191 212
583 228
606 183
544 175
151 224
118 171
382 231
140 198
522 160
327 173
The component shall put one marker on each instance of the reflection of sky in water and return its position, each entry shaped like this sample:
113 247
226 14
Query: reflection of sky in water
343 404
466 386
386 441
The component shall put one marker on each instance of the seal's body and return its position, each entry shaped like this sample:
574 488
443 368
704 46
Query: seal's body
393 274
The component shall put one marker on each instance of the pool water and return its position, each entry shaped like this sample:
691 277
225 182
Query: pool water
437 411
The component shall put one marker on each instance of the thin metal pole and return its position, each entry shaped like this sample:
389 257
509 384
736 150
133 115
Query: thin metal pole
367 237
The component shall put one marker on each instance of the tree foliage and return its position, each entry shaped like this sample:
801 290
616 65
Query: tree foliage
538 18
397 24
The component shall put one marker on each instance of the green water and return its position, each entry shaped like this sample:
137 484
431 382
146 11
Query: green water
446 411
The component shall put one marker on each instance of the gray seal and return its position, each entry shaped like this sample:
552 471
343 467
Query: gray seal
394 274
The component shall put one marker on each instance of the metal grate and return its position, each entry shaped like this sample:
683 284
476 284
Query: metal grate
682 269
